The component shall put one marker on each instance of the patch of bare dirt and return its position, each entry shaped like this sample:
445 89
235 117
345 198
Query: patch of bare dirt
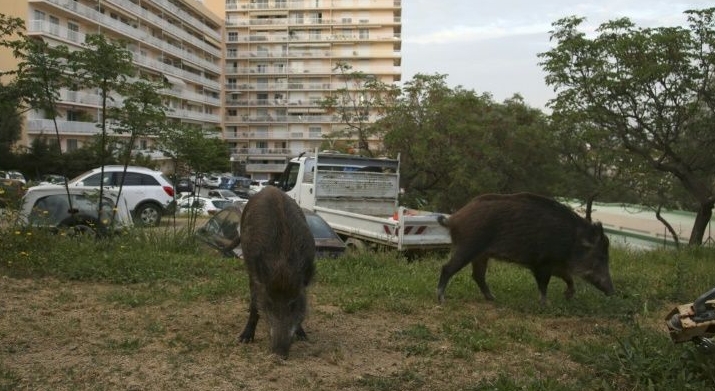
69 336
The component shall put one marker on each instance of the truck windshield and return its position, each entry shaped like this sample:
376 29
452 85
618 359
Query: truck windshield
290 176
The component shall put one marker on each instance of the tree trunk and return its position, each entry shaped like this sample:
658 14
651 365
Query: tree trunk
667 226
589 208
702 219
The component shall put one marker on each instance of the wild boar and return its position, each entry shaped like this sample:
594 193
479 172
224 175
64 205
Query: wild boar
279 253
536 232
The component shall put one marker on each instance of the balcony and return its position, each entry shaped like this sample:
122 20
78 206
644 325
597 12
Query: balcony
300 4
174 71
65 128
131 32
267 167
193 115
88 99
189 19
165 26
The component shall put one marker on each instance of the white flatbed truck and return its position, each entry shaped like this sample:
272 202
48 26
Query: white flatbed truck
358 197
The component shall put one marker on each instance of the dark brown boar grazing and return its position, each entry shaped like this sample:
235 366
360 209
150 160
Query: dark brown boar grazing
279 252
536 232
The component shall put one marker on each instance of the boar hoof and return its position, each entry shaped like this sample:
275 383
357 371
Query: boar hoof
568 294
246 337
300 334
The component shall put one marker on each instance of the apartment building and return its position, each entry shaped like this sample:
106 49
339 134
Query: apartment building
280 61
179 41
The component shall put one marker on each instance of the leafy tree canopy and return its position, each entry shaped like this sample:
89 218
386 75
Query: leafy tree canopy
650 91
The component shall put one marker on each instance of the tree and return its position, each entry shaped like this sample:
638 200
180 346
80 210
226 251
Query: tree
593 165
194 146
142 114
652 89
106 66
361 97
10 119
455 144
198 148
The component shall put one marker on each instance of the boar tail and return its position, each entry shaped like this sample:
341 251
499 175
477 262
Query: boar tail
443 221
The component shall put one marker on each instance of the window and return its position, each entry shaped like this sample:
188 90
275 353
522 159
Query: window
74 115
39 15
93 180
232 53
137 179
54 25
314 132
72 32
364 33
72 144
233 36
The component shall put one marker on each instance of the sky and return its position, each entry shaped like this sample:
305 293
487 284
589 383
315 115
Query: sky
492 46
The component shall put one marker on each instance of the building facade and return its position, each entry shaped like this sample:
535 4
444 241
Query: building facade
257 72
281 60
179 41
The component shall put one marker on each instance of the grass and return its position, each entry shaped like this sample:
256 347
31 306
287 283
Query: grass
614 343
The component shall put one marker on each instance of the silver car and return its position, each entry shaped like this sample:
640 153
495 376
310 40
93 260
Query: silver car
49 206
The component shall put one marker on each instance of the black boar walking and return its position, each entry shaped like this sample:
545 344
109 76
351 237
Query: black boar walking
279 252
536 232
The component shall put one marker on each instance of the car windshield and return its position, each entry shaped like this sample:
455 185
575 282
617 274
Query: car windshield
319 227
220 204
75 179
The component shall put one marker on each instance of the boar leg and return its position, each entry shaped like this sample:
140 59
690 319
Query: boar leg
542 274
479 271
250 329
569 292
459 260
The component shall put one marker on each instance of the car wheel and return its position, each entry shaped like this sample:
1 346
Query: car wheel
79 227
148 215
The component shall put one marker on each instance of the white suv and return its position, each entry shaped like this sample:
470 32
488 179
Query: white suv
149 193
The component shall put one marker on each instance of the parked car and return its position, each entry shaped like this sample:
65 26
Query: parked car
52 179
16 175
48 206
226 195
202 206
211 181
257 186
235 183
222 232
149 193
184 185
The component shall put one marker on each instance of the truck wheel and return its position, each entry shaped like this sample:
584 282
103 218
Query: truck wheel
355 246
147 215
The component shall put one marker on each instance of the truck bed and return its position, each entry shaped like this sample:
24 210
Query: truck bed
408 230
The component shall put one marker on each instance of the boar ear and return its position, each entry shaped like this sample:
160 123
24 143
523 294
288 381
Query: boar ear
591 235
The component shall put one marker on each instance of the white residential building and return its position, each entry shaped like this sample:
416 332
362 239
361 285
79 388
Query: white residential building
179 41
